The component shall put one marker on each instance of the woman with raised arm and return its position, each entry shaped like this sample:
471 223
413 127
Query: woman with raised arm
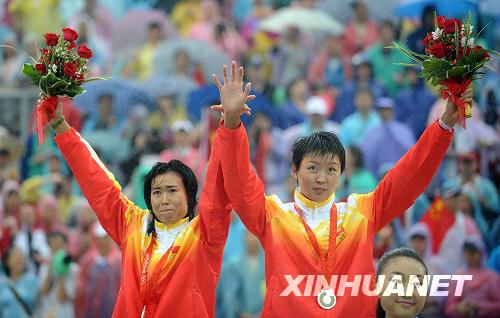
170 257
313 240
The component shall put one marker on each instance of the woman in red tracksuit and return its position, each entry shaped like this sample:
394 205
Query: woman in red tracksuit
170 257
312 240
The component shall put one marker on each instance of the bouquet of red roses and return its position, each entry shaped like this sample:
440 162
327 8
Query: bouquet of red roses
60 70
452 60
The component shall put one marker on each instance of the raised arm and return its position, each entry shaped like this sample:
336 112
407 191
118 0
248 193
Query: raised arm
413 173
214 209
97 183
243 187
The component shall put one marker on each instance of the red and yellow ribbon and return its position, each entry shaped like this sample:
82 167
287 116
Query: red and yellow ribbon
454 91
45 111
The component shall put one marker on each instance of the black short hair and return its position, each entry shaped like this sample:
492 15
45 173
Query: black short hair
384 260
471 248
320 143
188 179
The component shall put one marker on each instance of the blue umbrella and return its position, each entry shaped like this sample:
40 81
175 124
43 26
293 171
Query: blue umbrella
209 95
448 8
126 94
201 98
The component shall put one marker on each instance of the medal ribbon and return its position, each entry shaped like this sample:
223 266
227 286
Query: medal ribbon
147 288
328 260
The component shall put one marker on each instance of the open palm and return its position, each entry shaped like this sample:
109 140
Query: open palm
233 98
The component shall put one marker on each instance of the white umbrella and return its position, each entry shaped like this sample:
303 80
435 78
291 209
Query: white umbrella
341 10
130 32
307 20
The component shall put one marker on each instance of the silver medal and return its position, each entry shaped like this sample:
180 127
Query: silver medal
327 299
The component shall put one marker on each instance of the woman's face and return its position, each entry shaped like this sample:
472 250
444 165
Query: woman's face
169 198
397 269
318 176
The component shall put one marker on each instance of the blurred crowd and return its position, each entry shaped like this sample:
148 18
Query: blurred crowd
57 261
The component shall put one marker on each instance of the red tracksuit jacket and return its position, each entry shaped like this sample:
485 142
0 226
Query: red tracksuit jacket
287 247
186 284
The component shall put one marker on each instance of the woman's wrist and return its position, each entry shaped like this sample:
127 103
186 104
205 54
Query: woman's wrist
62 127
57 122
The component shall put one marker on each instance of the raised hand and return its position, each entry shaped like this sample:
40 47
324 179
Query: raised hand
233 98
450 116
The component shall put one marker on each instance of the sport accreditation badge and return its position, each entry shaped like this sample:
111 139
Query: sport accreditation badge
327 299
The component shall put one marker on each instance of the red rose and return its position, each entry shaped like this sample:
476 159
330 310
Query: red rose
441 21
51 39
69 69
84 51
41 68
427 39
449 26
80 78
70 34
44 51
71 45
438 50
463 51
479 49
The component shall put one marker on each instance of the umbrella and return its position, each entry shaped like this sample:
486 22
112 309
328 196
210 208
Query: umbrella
341 9
308 20
105 142
448 8
209 95
490 7
126 94
130 32
209 57
158 86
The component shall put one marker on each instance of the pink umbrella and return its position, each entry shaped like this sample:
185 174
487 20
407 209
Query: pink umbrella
130 32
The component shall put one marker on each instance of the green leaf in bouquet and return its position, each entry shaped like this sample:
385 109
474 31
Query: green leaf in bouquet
47 81
92 79
30 71
457 72
481 31
493 52
474 68
58 88
408 53
490 68
74 90
409 64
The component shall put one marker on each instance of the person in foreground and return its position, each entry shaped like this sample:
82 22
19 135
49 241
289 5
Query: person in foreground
170 257
314 235
398 267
